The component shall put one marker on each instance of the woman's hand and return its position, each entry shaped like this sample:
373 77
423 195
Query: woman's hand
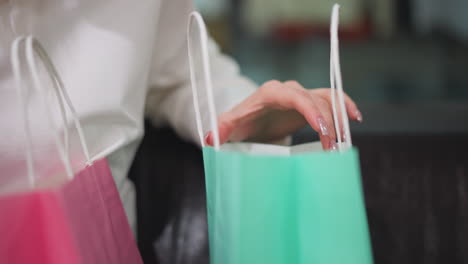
278 109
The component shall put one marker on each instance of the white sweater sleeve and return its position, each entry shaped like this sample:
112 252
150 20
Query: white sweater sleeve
169 99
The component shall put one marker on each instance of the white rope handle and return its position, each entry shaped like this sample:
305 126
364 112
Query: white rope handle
196 19
336 83
335 80
24 112
32 47
63 151
12 17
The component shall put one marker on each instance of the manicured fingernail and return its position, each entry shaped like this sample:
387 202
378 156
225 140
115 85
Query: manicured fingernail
323 126
334 147
358 116
207 138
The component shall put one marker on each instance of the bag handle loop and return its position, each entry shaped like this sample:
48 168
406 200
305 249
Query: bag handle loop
196 19
336 83
32 47
335 80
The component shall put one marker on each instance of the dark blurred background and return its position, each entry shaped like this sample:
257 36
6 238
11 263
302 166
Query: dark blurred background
399 58
405 62
392 51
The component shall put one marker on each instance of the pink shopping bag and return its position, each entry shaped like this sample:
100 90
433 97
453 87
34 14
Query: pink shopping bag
78 219
82 221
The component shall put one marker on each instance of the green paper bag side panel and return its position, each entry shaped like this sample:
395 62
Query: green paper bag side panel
299 209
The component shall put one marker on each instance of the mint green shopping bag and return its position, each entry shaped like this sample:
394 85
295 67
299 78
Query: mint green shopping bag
300 208
277 204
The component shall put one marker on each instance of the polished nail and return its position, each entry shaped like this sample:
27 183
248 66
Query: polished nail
207 138
323 126
358 116
334 147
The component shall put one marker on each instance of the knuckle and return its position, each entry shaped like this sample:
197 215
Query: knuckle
272 83
306 104
321 103
303 93
293 83
270 86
